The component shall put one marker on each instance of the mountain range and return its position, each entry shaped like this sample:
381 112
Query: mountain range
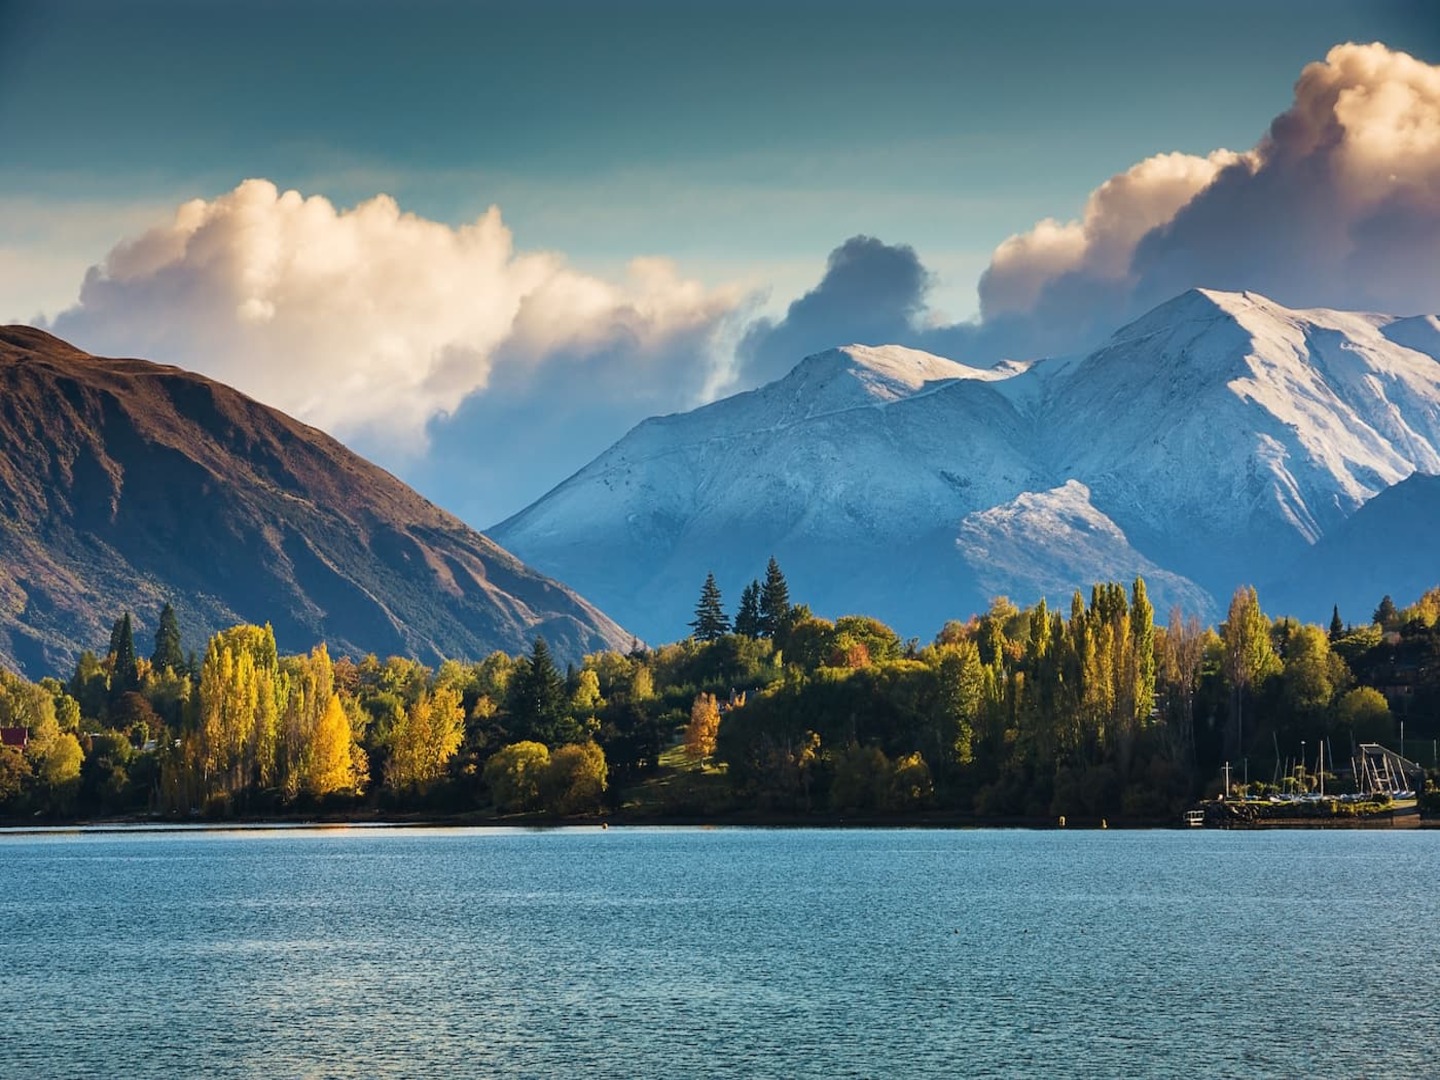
1220 439
125 485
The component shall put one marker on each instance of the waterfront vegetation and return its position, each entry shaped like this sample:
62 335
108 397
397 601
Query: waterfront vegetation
1015 714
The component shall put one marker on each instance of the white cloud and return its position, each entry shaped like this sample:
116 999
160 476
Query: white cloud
370 322
1338 205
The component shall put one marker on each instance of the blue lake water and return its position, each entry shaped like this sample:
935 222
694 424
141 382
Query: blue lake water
726 952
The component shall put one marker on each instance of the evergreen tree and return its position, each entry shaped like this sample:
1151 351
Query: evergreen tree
125 671
1337 628
710 622
1386 615
747 617
774 600
537 697
168 653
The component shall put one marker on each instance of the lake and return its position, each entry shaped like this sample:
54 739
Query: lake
636 952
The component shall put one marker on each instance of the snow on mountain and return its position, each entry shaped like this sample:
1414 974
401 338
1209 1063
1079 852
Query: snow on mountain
1213 440
1224 433
1049 542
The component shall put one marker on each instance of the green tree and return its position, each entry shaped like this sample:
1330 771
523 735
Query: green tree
1365 715
774 607
575 779
125 668
513 775
537 698
961 694
1249 656
747 616
710 622
1337 628
1142 630
1386 616
168 654
1312 673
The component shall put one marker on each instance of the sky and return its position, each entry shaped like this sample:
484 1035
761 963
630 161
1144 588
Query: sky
480 241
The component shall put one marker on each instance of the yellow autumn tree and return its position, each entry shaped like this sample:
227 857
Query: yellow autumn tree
331 758
513 775
241 695
575 779
311 685
703 728
425 739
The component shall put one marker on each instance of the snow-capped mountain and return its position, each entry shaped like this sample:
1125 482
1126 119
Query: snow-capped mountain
1210 442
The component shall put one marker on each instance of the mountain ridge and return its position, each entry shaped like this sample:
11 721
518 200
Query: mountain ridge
126 484
1221 434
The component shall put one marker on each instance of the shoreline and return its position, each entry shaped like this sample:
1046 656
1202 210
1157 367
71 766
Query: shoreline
535 822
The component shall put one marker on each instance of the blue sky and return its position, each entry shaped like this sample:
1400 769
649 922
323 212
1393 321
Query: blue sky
744 142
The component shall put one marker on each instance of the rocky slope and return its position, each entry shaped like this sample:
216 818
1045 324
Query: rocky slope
125 484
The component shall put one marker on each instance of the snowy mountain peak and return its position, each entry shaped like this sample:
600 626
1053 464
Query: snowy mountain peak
880 374
1208 442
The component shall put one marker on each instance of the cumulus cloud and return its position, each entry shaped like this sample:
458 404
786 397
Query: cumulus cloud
872 294
371 322
1338 205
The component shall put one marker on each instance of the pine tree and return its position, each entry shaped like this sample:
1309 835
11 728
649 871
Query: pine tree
710 622
125 671
538 698
168 653
1337 628
774 600
1386 615
747 617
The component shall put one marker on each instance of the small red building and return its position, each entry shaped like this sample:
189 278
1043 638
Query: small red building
17 737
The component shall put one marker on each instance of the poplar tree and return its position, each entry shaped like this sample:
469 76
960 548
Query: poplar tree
710 622
1142 632
704 724
1249 656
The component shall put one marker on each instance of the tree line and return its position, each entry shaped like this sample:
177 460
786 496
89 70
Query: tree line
1096 710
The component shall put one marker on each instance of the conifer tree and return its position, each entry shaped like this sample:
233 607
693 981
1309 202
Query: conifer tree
747 616
537 696
125 672
710 622
774 600
1337 628
168 653
1386 615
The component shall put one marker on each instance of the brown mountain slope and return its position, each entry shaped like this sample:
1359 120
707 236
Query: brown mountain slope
124 484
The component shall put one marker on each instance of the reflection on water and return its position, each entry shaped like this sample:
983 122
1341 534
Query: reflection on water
735 952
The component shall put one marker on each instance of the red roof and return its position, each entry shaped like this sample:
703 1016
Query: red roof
14 736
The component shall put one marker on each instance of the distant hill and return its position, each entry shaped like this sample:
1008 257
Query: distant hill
1208 444
1387 547
125 484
